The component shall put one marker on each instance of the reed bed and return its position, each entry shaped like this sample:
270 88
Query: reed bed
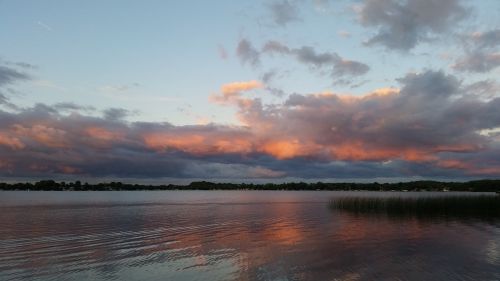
458 205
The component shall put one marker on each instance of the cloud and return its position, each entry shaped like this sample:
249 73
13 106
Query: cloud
24 65
222 52
484 89
478 62
344 34
236 87
402 25
387 124
119 88
231 94
3 99
48 84
283 12
44 26
11 142
338 66
247 53
45 135
10 75
486 39
116 113
482 52
431 126
321 5
72 107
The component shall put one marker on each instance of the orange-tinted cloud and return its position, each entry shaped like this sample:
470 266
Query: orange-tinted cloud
49 136
236 87
11 142
426 127
188 143
287 149
485 171
4 164
383 125
453 164
200 143
68 169
102 134
230 92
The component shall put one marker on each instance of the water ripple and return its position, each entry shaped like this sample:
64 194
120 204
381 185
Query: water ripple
283 240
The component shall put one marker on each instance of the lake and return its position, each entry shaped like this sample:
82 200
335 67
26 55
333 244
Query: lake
233 235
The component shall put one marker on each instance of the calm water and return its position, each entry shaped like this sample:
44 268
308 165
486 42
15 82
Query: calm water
232 235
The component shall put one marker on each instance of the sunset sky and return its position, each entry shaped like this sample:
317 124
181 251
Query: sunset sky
253 91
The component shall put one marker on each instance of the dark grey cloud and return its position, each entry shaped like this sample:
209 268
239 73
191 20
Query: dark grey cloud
247 53
6 103
484 89
18 64
24 65
478 61
488 39
283 12
116 113
338 66
345 67
276 91
268 76
482 52
10 75
3 99
72 107
403 24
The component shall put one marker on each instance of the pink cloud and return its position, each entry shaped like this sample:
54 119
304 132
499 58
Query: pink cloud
11 142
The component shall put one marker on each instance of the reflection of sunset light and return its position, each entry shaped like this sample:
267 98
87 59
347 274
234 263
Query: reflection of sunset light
284 233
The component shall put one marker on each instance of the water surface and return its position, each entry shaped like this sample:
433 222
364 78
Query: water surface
233 235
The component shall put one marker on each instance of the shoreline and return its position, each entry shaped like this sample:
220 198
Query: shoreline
413 186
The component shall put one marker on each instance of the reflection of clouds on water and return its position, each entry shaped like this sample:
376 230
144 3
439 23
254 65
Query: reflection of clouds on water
492 251
283 233
348 277
264 241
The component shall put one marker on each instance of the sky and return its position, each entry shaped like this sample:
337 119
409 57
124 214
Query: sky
249 91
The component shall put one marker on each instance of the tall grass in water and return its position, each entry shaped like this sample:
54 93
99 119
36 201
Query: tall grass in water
486 206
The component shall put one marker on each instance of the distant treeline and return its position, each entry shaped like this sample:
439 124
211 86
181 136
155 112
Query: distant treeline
479 185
